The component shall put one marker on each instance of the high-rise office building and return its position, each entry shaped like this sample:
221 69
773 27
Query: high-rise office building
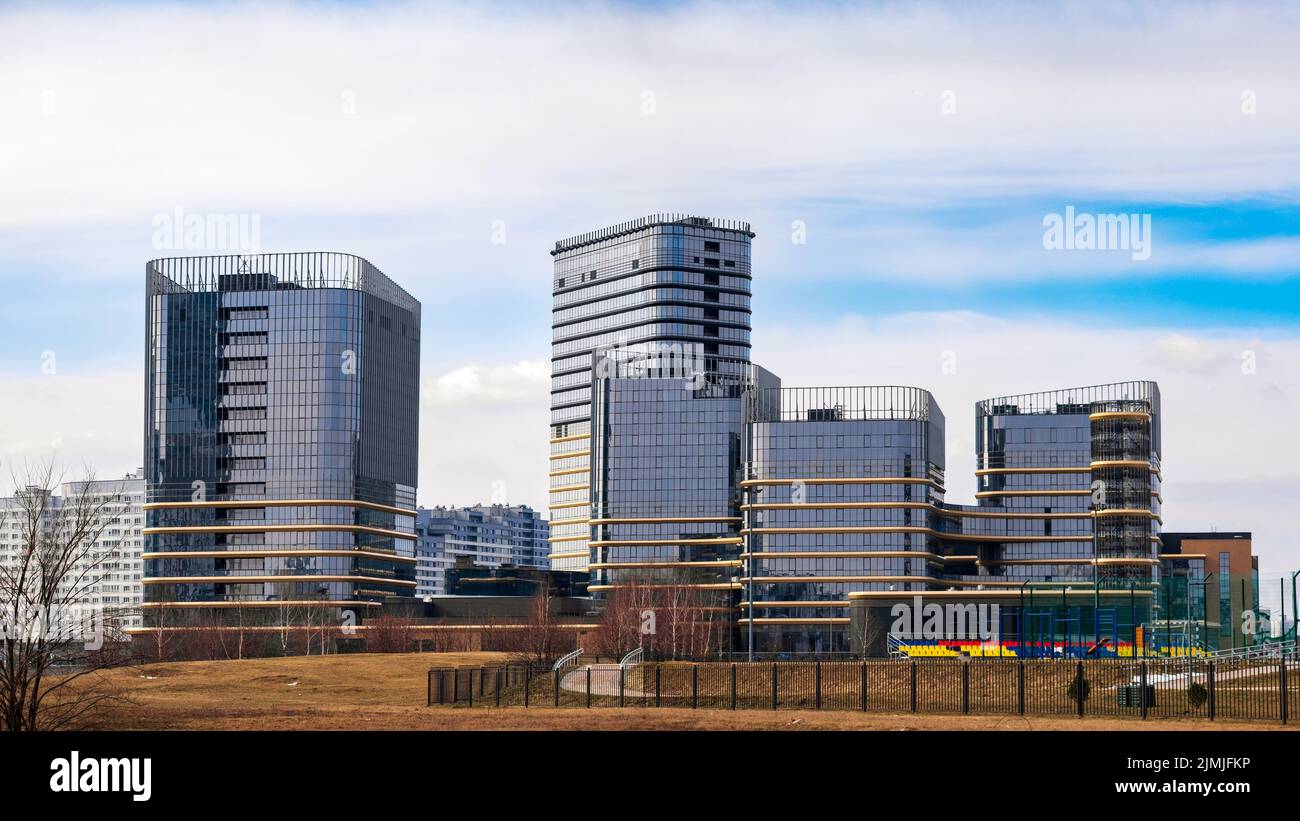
669 286
489 536
281 437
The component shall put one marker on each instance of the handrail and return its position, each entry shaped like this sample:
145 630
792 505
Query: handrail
566 660
633 658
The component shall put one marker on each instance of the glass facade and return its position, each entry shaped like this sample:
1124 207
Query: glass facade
281 436
844 506
842 493
672 286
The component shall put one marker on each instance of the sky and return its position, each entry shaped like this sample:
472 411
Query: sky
898 163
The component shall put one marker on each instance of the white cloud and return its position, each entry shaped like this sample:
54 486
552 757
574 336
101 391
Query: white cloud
461 108
521 381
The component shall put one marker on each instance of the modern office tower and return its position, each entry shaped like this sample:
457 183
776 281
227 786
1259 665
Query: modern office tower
1076 473
487 535
665 466
842 494
282 408
845 516
668 285
110 570
1215 567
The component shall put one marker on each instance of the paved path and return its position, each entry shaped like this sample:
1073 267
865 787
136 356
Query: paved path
604 681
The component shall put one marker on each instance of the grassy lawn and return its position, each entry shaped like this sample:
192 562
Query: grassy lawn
386 691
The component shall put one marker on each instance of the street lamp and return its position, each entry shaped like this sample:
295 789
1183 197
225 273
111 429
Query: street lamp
1294 612
1205 609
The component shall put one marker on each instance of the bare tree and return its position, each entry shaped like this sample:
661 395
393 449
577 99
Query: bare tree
537 640
52 644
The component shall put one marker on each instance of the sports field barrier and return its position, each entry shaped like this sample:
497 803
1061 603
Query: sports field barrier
1264 689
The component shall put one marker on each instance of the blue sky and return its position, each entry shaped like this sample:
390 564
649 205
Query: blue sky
920 146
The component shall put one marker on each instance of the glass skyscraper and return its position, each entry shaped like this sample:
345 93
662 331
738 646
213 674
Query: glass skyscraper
675 288
281 438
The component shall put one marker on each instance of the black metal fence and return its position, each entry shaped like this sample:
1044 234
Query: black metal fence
1245 689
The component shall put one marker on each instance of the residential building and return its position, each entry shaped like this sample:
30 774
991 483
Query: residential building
108 572
487 536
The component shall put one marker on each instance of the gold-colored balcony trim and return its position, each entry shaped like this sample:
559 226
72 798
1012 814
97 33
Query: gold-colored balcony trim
666 520
235 604
743 605
264 503
1088 561
269 579
274 554
555 456
924 531
1003 594
597 588
846 554
1003 471
574 438
975 514
569 471
315 627
1093 417
555 539
581 520
304 528
1176 556
563 488
865 480
1101 464
986 494
567 505
664 565
770 620
640 542
577 554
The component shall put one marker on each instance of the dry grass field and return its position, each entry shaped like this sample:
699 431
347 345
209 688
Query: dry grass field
386 692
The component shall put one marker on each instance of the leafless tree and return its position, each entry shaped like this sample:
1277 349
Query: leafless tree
52 645
537 640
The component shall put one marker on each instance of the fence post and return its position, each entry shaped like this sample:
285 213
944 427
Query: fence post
1078 686
528 682
471 685
658 670
428 702
862 688
500 674
913 687
1282 683
1209 688
965 687
1142 686
622 684
695 685
774 685
733 685
455 686
1020 686
818 698
557 688
588 686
